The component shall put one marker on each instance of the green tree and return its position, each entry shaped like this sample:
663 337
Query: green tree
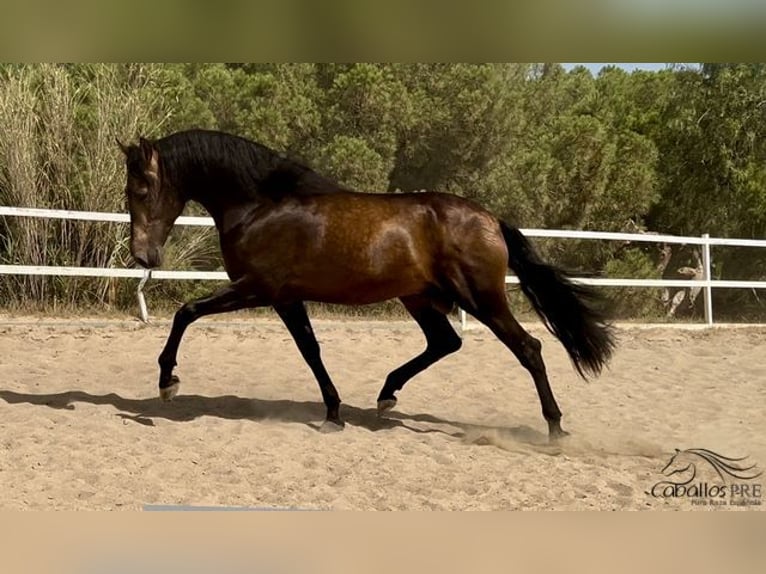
714 147
713 175
366 110
460 126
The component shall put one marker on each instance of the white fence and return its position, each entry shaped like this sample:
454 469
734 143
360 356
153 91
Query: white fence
707 284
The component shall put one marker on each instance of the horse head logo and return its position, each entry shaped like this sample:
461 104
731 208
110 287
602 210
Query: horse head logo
685 465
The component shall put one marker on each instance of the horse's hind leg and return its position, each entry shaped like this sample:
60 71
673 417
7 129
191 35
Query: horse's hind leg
492 310
441 340
297 322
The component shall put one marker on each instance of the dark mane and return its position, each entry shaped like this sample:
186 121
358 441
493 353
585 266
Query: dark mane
193 158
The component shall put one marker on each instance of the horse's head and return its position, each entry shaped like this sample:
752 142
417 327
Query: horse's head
706 462
153 205
681 462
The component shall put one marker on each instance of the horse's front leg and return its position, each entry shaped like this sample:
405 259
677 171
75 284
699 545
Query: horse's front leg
228 298
297 322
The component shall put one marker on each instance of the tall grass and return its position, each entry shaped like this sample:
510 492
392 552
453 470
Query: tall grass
58 151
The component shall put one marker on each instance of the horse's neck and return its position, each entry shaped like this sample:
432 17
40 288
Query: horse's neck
225 210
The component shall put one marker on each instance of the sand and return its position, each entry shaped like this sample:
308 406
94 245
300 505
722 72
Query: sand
81 426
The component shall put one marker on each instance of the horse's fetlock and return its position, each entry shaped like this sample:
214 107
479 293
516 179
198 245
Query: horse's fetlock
166 362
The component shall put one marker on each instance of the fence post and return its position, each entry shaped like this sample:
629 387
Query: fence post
140 296
707 276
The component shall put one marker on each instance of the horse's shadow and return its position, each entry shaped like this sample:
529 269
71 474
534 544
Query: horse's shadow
190 407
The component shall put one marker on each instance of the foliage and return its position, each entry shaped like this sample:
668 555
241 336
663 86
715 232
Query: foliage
678 151
57 150
629 302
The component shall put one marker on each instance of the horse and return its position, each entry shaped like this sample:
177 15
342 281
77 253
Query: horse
289 235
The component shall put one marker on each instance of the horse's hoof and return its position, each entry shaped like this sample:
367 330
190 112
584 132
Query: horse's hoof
555 432
167 393
332 426
385 405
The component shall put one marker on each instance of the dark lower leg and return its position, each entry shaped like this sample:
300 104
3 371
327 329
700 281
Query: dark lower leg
297 322
531 358
223 300
527 350
441 341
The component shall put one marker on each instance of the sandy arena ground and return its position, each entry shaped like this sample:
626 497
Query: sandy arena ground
81 426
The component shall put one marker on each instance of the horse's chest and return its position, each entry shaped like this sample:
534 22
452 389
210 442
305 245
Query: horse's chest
268 255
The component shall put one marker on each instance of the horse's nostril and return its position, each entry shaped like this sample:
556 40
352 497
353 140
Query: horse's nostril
142 262
155 257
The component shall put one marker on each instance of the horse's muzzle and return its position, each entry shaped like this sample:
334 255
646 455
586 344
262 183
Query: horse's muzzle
149 259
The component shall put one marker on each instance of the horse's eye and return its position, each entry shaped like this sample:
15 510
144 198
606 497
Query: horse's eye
140 192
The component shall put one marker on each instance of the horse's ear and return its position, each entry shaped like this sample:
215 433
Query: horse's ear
147 148
123 147
151 157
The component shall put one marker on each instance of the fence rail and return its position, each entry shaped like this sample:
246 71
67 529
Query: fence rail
706 283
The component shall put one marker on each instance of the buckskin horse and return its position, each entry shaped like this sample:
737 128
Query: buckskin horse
290 235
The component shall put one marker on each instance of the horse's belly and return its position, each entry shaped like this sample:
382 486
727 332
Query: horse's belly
353 290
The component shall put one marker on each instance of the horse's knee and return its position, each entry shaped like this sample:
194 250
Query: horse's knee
309 346
186 314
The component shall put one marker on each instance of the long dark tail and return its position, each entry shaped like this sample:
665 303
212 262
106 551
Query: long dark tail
573 313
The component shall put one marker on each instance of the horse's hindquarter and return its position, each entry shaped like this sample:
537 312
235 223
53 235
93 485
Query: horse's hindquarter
345 248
